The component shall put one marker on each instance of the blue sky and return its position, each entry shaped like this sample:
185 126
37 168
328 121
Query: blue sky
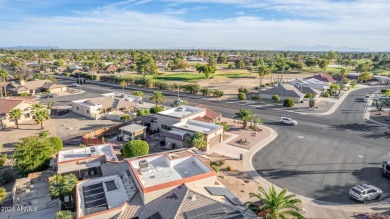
235 24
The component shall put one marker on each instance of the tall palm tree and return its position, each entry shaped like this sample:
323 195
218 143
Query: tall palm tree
157 97
245 116
3 85
138 93
343 74
16 114
276 205
263 71
41 115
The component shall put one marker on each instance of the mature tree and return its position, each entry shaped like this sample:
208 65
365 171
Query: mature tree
55 143
334 88
3 194
282 66
3 81
353 83
245 116
365 76
332 55
146 65
136 148
15 114
52 78
323 64
197 140
138 93
343 74
364 67
276 205
311 62
157 97
212 62
64 215
23 73
230 66
59 62
221 60
239 64
177 63
263 71
31 154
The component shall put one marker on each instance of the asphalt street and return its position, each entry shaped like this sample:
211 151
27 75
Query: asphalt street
320 158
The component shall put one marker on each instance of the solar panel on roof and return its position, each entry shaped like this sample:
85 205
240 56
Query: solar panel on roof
225 192
213 211
95 203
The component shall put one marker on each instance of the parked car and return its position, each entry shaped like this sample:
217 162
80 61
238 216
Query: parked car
365 192
386 168
288 121
74 85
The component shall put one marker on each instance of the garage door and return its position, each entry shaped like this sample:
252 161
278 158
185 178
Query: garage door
215 140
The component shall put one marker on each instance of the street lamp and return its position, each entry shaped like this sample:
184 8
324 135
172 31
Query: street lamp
300 98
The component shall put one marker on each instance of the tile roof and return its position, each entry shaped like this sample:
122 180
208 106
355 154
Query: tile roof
284 90
172 204
7 105
211 114
323 77
307 89
202 119
52 85
176 136
109 101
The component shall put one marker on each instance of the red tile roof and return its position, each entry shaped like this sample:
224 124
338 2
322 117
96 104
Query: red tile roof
211 114
7 105
202 119
323 77
112 68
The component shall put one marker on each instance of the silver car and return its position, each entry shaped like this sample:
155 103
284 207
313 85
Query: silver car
365 192
288 121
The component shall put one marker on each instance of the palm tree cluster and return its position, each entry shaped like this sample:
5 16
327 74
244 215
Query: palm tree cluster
62 185
157 97
41 113
246 116
274 205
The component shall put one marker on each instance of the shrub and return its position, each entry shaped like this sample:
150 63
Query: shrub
136 148
121 150
326 94
67 74
148 82
24 94
218 93
383 91
262 85
241 96
267 84
219 162
275 98
309 95
1 147
215 168
3 159
156 109
143 112
82 145
256 97
288 102
206 91
243 90
225 125
64 215
56 143
256 88
312 103
229 168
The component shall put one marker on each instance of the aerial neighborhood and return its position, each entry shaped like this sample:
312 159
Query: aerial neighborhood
162 134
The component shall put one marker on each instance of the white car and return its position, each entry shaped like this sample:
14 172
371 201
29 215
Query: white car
288 121
74 85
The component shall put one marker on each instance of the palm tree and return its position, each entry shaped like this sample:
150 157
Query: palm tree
138 93
55 188
41 115
343 73
16 114
61 186
157 97
245 116
3 75
123 84
276 205
263 71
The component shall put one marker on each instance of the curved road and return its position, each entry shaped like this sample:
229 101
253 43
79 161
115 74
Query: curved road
324 156
321 158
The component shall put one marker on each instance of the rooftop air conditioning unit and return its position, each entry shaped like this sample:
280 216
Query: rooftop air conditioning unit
180 109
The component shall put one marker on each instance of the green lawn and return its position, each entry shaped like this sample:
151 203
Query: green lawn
188 77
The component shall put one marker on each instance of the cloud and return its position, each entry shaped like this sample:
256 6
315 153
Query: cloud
175 11
113 27
239 13
142 2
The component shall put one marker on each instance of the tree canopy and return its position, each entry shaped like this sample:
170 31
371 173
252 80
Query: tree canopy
136 148
197 140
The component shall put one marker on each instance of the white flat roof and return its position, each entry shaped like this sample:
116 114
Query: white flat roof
182 111
162 170
86 152
197 126
100 194
132 128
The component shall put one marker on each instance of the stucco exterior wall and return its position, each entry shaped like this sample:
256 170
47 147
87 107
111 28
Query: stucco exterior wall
87 111
6 122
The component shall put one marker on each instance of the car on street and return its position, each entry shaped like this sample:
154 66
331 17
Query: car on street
365 193
288 121
386 168
74 85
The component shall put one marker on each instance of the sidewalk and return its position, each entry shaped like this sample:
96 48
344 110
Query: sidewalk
314 208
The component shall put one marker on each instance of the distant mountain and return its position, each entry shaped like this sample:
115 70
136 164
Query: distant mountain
324 48
30 47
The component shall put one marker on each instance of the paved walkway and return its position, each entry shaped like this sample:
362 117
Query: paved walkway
227 150
314 208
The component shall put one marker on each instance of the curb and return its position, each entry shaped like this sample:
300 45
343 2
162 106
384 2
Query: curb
248 167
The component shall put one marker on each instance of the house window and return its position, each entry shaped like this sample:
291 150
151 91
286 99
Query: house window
87 111
27 115
77 108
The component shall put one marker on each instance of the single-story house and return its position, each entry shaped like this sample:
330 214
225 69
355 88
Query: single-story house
36 86
8 104
284 91
112 68
327 79
113 103
132 132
